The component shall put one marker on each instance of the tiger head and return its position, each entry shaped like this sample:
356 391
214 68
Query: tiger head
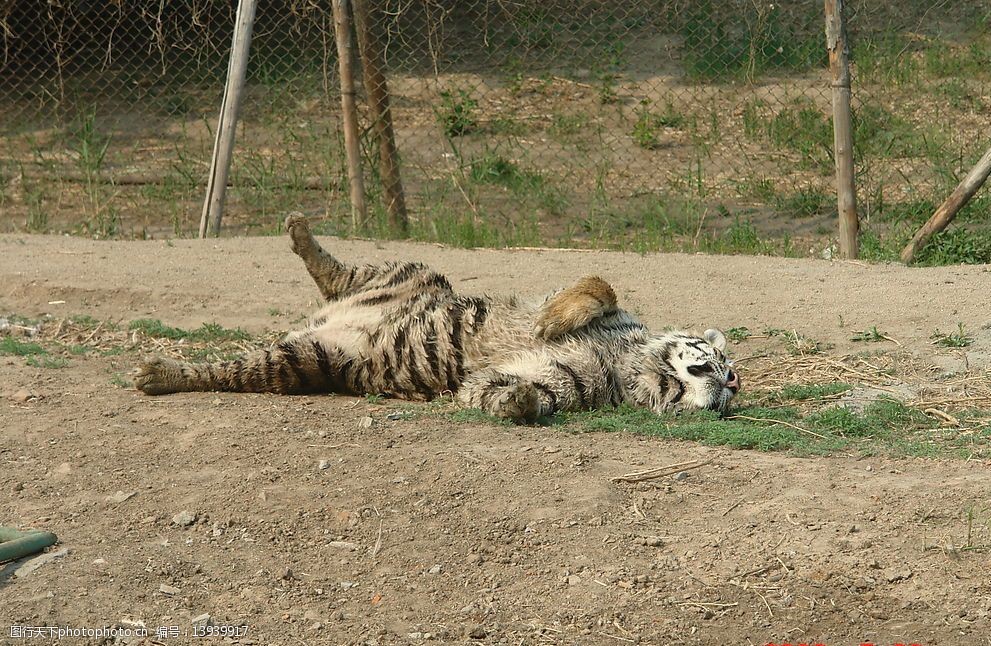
679 371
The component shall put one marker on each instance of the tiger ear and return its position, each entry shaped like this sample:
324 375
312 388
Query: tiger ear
715 338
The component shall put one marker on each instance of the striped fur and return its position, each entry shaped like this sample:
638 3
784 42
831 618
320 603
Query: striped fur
399 329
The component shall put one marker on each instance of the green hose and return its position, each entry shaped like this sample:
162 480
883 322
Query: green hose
15 544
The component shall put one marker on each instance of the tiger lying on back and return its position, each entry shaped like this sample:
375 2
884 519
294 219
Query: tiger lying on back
400 330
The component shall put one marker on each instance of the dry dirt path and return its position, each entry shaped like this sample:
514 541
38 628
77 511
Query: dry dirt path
423 530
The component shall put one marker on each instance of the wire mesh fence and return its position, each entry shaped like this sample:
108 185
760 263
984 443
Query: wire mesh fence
644 124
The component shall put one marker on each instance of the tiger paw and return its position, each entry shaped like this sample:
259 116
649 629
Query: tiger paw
519 403
300 239
159 376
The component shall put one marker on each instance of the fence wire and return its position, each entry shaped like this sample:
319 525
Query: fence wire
642 124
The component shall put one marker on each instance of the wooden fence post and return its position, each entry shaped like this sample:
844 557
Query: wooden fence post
373 64
949 208
349 112
223 146
839 67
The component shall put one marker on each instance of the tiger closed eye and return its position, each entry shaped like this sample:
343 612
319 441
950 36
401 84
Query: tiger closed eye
699 370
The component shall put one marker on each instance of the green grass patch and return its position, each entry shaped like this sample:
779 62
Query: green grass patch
45 361
805 392
886 426
10 345
207 333
721 45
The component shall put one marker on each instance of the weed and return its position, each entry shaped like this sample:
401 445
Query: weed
760 188
118 380
958 339
648 126
566 126
870 335
374 399
737 334
16 347
607 92
804 392
457 112
91 151
807 202
956 246
47 362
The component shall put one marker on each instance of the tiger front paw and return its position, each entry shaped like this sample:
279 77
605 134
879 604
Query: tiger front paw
159 376
519 403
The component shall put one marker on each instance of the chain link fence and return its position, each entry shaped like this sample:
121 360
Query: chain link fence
662 124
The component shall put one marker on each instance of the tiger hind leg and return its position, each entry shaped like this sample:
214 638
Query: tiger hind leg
334 278
574 307
293 367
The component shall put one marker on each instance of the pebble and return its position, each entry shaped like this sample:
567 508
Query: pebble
323 464
18 486
121 496
573 579
653 541
477 633
24 396
899 575
202 620
476 559
286 574
184 518
38 561
681 476
365 422
436 569
343 545
168 589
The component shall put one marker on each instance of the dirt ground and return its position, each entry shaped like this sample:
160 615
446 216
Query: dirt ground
424 530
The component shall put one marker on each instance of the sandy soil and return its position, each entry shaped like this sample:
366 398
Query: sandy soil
422 530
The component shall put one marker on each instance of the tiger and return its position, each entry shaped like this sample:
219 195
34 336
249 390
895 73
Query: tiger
400 330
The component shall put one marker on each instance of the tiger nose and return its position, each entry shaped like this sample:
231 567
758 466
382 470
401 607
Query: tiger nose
733 381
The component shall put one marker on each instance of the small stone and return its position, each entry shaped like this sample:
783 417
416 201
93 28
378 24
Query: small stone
168 589
347 585
477 633
653 541
343 545
573 579
121 496
286 574
38 561
436 569
899 575
18 486
869 468
476 559
854 529
24 396
416 635
184 518
551 449
365 422
323 464
681 476
202 620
